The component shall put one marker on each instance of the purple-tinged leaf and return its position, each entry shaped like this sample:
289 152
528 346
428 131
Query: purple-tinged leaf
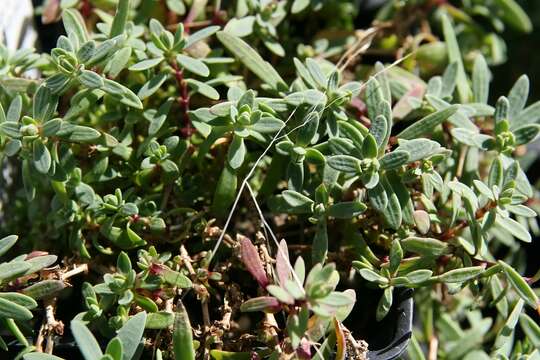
282 262
250 258
267 304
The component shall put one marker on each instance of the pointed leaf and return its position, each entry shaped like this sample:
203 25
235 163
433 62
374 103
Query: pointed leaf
86 341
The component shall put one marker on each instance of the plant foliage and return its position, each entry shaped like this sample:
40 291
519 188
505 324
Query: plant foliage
227 177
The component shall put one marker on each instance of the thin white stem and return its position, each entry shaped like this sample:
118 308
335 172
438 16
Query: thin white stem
243 185
277 137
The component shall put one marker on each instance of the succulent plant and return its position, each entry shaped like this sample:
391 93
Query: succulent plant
155 133
20 286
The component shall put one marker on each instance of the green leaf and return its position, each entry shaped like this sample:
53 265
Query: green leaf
369 147
299 5
344 163
419 276
319 249
513 15
530 114
495 176
424 246
41 356
118 61
237 152
428 123
146 303
159 320
13 269
12 147
378 129
152 85
44 104
203 89
314 156
461 275
422 221
182 335
394 159
175 278
40 262
304 74
385 303
86 341
121 92
459 119
372 276
12 310
531 329
501 109
382 77
449 80
75 28
307 133
193 65
392 213
505 333
120 18
261 303
297 326
497 293
526 134
160 117
90 79
517 97
115 348
44 289
42 157
51 127
316 73
14 111
346 210
465 192
10 130
240 27
101 52
396 255
146 64
309 96
378 197
225 191
6 243
19 299
123 263
78 133
520 285
414 351
480 80
454 56
514 228
280 294
176 6
267 125
251 59
228 355
131 334
297 200
201 35
373 97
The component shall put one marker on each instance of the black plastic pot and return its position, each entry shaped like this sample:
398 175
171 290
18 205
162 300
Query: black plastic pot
64 346
389 338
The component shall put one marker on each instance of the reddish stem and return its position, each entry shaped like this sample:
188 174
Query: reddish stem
187 130
86 9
